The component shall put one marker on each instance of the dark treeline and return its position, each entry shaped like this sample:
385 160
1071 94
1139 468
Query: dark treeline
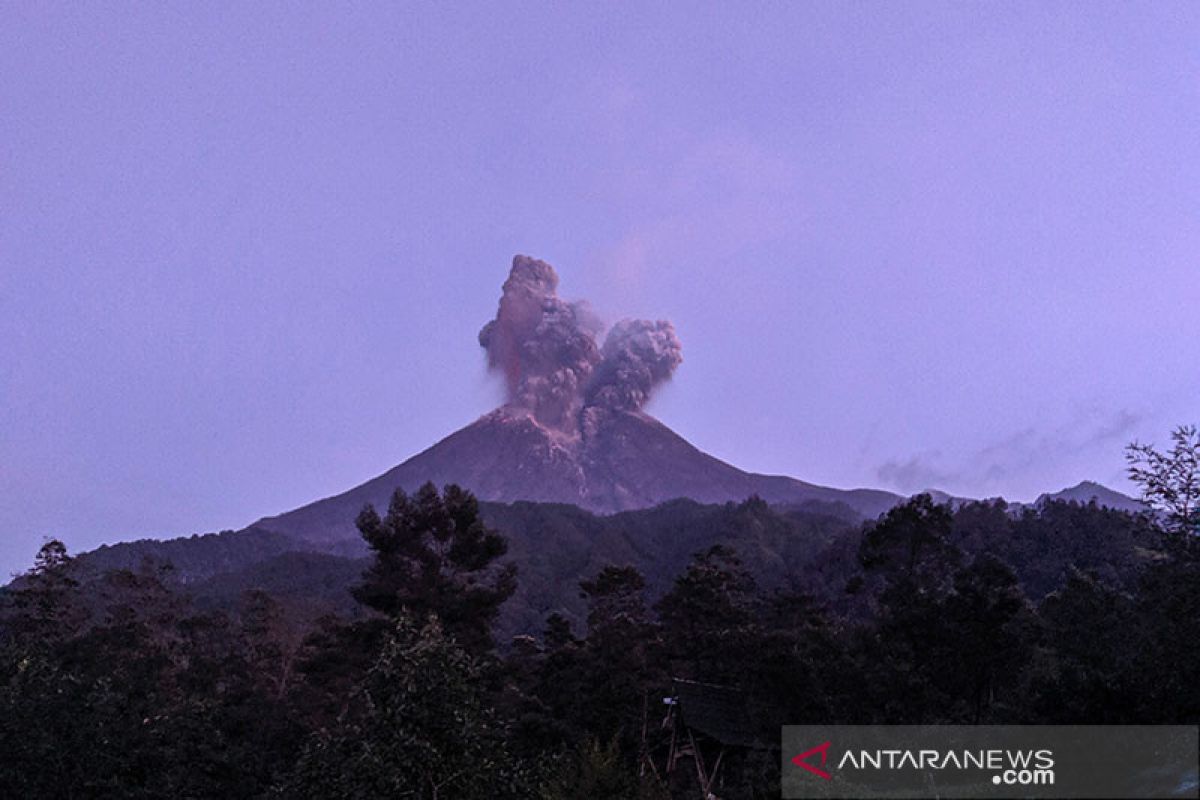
120 685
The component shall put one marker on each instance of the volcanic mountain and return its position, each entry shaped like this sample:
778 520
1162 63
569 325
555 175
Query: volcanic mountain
577 476
572 429
625 460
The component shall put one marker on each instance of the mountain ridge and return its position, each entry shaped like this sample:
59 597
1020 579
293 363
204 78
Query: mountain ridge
1086 491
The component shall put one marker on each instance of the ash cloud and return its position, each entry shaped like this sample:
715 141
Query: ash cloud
638 355
546 348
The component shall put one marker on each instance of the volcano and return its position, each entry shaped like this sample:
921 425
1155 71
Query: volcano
573 429
624 460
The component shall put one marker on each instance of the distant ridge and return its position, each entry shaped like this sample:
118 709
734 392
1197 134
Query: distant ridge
1087 491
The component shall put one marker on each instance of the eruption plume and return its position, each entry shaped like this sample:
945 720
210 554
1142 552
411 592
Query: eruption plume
546 349
637 356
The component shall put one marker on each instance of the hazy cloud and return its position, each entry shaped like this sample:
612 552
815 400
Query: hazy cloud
914 474
1013 456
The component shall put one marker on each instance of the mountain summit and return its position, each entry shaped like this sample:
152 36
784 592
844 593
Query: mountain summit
572 429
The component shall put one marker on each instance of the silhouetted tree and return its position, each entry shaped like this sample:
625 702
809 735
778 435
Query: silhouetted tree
271 642
558 633
596 686
911 543
616 659
902 649
598 772
45 606
434 554
1170 480
1091 643
147 699
988 620
424 730
798 661
1168 640
708 617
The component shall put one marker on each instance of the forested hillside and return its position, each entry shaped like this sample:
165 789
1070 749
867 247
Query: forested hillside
316 675
553 546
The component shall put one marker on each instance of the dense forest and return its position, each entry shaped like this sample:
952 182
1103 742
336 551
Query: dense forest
121 682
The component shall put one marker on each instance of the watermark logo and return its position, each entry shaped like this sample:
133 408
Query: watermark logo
802 760
991 761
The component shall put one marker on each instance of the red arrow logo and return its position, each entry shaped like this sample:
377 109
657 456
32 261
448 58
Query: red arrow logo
802 760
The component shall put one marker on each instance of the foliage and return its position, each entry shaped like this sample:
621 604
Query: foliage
708 617
424 730
434 554
911 544
598 772
137 698
1170 480
119 683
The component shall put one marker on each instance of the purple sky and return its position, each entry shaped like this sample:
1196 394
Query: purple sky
245 250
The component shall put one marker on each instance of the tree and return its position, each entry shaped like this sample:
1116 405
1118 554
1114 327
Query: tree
434 554
1092 632
708 617
597 686
984 617
1168 646
1170 481
615 662
141 699
912 543
598 772
270 641
558 632
615 602
797 660
908 557
424 730
44 606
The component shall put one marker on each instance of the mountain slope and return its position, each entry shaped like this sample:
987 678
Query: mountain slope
619 461
1088 491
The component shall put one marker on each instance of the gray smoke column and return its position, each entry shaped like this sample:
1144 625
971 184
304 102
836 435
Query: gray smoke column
546 349
544 346
638 355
